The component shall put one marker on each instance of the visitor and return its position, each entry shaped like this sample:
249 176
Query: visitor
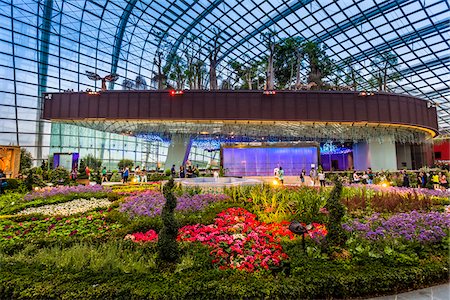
405 179
365 178
143 174
435 181
313 176
425 179
88 172
73 174
275 171
189 172
182 173
3 183
321 176
302 177
420 179
172 171
104 177
195 172
281 175
443 181
216 176
137 173
126 173
356 178
370 176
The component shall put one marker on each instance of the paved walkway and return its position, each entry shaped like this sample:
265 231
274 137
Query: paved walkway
437 292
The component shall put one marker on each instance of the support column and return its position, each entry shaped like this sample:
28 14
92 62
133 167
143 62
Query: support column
178 151
379 154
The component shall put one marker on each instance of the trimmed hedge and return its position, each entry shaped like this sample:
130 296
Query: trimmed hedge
326 280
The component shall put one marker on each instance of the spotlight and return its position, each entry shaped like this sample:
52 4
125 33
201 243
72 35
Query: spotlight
362 94
176 92
269 92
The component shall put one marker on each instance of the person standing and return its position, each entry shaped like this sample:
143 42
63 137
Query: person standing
405 179
88 172
370 176
2 181
313 176
443 181
321 176
104 177
302 177
143 174
435 180
356 178
182 173
172 171
281 175
126 173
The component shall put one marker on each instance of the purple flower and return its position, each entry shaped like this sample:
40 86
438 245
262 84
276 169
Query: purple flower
150 203
65 190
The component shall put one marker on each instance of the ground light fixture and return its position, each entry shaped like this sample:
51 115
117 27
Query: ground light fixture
297 228
176 92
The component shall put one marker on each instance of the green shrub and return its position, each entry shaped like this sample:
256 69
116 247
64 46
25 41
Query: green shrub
59 176
336 235
168 252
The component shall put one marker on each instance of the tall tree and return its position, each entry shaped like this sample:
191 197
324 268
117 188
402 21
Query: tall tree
159 76
352 76
287 59
141 83
213 53
269 38
320 65
177 72
383 66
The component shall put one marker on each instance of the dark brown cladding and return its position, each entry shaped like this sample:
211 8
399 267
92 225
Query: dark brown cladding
312 106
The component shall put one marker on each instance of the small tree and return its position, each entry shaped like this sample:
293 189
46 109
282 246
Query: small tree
123 163
92 162
336 235
168 251
26 160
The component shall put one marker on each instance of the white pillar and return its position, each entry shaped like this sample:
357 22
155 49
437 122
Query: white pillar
180 146
378 153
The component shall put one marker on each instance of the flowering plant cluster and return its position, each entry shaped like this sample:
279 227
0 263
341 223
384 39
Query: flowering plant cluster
150 203
93 224
65 190
403 190
132 190
425 228
149 236
239 241
68 208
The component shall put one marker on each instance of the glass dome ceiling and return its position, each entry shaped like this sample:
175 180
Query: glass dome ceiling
55 41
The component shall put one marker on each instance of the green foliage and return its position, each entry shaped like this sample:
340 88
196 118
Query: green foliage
288 56
336 235
82 170
92 162
34 178
320 65
13 184
115 177
26 160
59 176
123 163
167 172
168 252
281 204
156 177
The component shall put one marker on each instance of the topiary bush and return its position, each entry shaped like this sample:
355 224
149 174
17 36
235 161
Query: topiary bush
168 252
336 235
59 176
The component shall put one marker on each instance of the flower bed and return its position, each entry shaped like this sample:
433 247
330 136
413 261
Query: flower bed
424 228
67 208
150 203
132 190
238 240
92 224
65 190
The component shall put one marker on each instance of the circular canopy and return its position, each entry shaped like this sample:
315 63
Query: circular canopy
128 35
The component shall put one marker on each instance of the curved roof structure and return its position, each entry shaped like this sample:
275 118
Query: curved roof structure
48 45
